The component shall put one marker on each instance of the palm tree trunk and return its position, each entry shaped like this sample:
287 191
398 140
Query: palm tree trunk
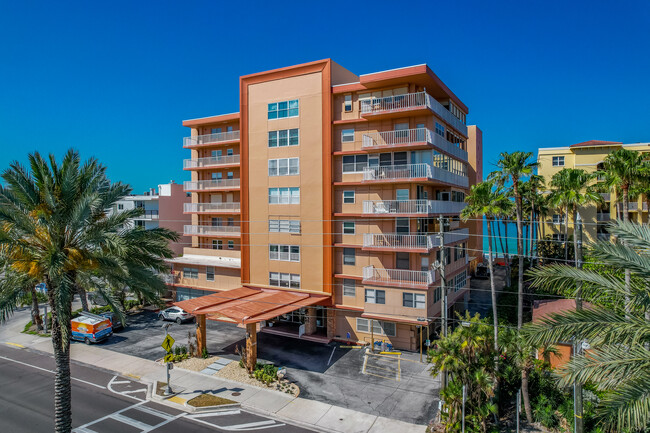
575 237
520 250
532 229
566 234
628 273
61 346
84 299
494 294
36 312
503 251
507 256
525 395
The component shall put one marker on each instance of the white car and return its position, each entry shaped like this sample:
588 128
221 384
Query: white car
175 314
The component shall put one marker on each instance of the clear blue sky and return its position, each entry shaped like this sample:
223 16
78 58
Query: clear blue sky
115 79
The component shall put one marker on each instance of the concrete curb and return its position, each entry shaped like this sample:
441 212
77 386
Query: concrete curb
220 408
285 419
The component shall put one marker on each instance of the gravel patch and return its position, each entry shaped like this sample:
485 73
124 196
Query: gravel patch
234 372
196 364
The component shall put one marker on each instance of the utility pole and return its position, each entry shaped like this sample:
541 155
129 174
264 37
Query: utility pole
577 387
464 401
443 288
518 407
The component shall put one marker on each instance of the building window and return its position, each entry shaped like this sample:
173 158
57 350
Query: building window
217 244
190 273
231 245
284 109
354 163
284 195
229 129
230 152
230 175
402 260
440 130
280 279
209 273
558 237
347 106
459 251
558 161
558 219
461 280
348 227
413 300
215 131
349 287
284 226
285 253
347 135
437 294
374 296
283 137
120 206
349 256
379 327
348 197
284 166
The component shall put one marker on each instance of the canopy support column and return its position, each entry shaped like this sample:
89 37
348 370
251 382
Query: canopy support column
201 342
251 346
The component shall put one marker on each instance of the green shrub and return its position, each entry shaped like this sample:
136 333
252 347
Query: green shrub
206 355
545 413
184 350
177 350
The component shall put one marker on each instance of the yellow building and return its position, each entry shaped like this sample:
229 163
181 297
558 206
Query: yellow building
589 156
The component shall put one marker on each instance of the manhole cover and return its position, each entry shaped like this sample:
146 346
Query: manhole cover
235 394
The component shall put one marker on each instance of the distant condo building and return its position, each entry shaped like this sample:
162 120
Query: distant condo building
161 208
316 205
589 156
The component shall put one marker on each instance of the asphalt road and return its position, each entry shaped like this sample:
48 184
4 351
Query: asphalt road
102 402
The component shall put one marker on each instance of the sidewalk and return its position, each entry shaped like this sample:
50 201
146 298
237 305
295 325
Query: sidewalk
306 413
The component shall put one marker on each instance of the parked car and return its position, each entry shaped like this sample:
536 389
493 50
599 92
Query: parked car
175 314
91 328
115 322
482 272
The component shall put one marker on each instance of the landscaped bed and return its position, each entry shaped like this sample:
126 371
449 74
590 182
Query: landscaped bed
234 371
204 400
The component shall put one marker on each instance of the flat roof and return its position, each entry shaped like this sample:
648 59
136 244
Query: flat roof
217 261
212 119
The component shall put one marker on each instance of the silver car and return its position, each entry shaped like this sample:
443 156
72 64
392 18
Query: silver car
175 314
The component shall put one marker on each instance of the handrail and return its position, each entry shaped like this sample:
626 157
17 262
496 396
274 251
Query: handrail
209 230
219 137
398 241
211 161
396 276
425 207
209 184
211 207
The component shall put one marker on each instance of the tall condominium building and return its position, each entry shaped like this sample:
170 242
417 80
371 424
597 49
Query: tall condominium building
162 208
317 204
589 156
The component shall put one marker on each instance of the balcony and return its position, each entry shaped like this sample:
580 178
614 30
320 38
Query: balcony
412 207
411 172
209 162
211 231
399 242
170 278
228 207
207 139
397 277
454 236
410 138
409 104
209 185
148 215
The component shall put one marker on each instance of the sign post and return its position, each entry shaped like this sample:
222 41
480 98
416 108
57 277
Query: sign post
167 344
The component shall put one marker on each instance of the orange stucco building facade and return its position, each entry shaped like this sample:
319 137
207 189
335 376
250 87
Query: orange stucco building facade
332 184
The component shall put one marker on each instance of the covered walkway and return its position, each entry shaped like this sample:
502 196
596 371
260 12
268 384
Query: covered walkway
246 306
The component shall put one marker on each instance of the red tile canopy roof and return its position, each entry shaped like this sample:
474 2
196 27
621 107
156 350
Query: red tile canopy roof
596 143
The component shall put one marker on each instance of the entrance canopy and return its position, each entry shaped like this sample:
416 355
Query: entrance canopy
248 305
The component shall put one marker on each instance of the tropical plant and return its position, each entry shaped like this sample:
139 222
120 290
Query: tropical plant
54 228
484 199
514 168
467 356
618 361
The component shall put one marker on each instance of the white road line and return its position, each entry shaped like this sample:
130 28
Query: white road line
119 382
155 412
132 422
125 394
248 426
332 354
51 371
260 425
134 391
209 414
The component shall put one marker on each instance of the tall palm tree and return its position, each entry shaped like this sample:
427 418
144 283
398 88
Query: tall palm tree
515 167
622 170
617 331
54 228
483 199
574 188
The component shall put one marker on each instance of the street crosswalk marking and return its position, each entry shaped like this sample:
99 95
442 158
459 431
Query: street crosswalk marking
143 427
256 425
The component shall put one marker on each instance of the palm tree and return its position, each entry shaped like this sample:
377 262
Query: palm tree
54 228
574 188
618 361
514 167
483 199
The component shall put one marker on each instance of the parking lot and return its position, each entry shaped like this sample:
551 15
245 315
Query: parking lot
324 372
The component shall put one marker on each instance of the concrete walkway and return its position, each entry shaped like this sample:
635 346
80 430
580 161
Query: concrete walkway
306 413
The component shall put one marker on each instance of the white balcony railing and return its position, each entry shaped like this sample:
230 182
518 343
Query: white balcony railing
212 161
397 276
397 241
413 171
423 207
411 136
207 230
410 101
211 207
201 185
199 140
148 215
